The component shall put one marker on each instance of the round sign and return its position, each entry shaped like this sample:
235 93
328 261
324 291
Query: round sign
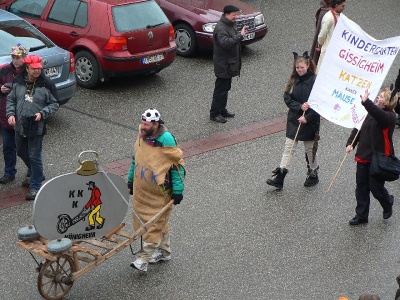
80 207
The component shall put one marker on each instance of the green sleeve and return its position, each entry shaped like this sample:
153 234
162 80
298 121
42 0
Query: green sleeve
177 177
131 172
167 139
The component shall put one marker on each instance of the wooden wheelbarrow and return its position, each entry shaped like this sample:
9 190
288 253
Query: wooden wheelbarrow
59 271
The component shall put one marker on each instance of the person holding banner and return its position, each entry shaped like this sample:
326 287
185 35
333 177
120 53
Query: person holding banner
328 24
302 122
375 134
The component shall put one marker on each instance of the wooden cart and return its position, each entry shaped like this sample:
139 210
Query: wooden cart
58 272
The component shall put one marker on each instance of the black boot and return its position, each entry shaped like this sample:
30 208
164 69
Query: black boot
312 178
279 174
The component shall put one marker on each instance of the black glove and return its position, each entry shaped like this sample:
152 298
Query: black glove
130 187
177 198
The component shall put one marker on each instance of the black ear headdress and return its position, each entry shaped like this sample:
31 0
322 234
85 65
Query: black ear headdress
305 55
396 88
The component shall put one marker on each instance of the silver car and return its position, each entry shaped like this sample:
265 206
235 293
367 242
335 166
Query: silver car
58 64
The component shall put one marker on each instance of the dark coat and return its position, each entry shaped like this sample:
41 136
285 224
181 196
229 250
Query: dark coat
301 91
7 74
377 128
226 57
43 102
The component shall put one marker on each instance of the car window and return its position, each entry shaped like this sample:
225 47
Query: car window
138 16
19 31
71 12
28 8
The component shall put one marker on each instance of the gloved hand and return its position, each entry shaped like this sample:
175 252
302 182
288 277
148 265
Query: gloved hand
177 198
130 187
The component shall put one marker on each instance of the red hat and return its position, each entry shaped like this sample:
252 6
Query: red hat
34 61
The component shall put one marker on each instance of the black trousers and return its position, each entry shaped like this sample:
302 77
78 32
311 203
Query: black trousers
365 185
220 96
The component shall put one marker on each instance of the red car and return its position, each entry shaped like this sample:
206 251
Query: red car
194 22
109 38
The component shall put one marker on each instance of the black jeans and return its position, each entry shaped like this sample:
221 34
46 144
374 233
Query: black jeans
220 96
365 185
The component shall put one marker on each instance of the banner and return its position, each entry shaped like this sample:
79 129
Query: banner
354 62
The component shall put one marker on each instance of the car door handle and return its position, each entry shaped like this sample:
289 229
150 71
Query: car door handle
73 33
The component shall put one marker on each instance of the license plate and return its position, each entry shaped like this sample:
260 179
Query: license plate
249 36
152 59
51 72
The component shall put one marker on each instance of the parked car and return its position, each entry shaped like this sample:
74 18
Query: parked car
58 64
194 22
109 38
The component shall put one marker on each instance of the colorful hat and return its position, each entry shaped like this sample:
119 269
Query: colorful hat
34 61
152 115
18 50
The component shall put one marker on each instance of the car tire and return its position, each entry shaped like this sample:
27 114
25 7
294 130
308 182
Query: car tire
86 70
185 40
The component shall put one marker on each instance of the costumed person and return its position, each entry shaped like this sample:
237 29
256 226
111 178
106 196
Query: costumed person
7 74
375 135
227 61
328 24
302 122
156 176
324 7
29 104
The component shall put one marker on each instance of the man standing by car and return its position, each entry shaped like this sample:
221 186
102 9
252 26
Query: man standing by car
7 74
29 104
227 61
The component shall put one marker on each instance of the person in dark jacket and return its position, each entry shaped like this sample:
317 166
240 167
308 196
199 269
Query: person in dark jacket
227 61
29 104
7 74
375 134
301 120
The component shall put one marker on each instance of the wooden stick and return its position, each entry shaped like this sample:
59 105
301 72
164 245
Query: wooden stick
294 141
340 167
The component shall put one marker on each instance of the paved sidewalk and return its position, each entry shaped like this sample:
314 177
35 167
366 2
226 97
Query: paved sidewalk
16 196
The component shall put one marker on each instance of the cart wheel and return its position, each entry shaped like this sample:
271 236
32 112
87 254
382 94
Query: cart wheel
54 279
59 245
27 233
63 224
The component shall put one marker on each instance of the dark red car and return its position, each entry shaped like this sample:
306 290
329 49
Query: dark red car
194 22
109 38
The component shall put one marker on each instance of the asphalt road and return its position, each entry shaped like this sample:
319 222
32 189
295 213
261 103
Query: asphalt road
234 237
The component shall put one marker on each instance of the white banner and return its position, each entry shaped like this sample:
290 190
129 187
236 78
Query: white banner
354 62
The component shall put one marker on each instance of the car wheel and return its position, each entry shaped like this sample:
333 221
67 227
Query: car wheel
185 40
86 69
